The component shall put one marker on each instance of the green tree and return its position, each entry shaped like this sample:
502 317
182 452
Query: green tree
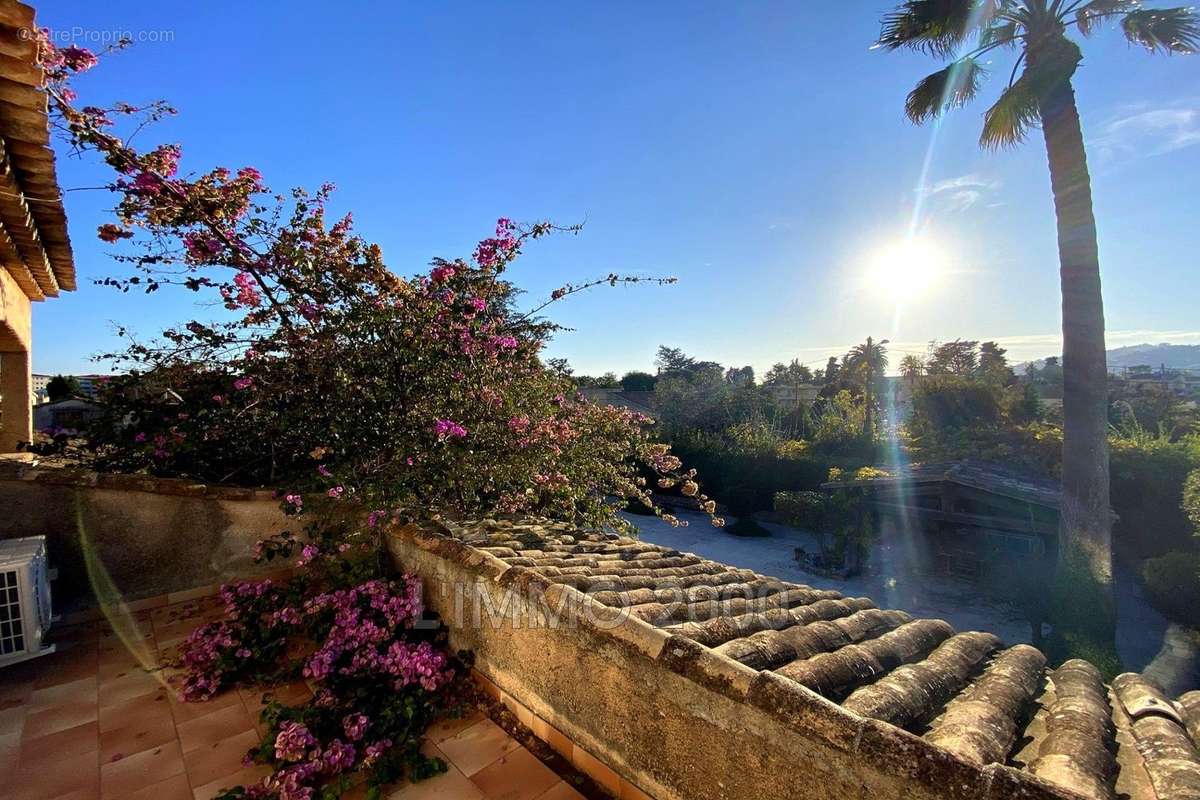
830 374
953 358
638 381
792 374
865 363
912 367
672 362
63 387
1039 92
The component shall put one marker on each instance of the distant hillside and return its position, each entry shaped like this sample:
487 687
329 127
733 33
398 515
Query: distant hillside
1172 356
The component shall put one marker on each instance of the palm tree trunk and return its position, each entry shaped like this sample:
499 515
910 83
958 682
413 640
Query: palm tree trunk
1085 526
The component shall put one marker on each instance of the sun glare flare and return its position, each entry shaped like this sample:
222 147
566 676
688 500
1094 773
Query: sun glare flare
906 269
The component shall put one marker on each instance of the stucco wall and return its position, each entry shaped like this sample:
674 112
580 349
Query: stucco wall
671 717
149 536
15 333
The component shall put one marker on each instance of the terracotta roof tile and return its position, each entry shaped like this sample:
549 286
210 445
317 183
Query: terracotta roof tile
963 692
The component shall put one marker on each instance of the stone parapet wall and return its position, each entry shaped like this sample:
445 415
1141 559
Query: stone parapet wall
134 535
671 717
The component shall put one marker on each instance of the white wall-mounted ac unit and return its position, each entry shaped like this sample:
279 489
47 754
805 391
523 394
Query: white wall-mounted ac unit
24 599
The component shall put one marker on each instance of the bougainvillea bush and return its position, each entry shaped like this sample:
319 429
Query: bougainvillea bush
328 373
350 628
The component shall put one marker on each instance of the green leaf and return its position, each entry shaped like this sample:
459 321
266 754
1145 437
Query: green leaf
934 26
1172 30
1018 109
1090 15
947 88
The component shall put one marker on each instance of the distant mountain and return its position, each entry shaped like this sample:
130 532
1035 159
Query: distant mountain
1172 356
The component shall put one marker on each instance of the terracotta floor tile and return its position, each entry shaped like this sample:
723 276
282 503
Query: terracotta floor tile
518 775
451 785
123 664
134 683
10 749
12 720
187 711
78 691
445 728
479 745
70 774
597 770
631 792
175 787
91 792
560 791
14 689
136 711
214 728
245 776
207 764
137 771
46 750
553 737
193 594
58 718
143 732
64 666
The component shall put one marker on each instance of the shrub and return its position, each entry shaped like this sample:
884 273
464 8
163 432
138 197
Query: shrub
804 510
838 425
953 402
748 480
1173 583
330 374
349 627
1148 475
1191 498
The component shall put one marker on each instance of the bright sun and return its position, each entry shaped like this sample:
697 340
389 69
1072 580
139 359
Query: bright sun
906 269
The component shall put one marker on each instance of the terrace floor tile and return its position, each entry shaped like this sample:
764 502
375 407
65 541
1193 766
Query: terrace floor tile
517 775
99 719
479 745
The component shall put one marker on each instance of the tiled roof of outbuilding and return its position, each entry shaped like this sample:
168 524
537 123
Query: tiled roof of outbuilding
965 692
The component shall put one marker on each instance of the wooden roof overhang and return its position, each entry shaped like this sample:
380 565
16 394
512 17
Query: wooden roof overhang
34 245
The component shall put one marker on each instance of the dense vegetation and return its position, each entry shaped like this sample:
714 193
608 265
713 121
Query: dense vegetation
768 446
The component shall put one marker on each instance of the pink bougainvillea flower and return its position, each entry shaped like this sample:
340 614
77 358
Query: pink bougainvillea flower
448 429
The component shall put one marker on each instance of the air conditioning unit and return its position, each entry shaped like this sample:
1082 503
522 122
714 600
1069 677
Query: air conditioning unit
24 599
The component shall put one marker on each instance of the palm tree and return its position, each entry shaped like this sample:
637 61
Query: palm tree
912 367
1039 91
866 361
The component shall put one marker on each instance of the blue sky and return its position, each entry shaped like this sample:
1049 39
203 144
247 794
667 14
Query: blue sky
757 151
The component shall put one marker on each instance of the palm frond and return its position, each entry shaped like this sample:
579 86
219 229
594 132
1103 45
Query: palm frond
1018 109
1009 119
1089 16
1172 30
947 88
1004 35
934 26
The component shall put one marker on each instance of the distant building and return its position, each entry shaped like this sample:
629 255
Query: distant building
88 385
973 513
71 414
793 394
642 402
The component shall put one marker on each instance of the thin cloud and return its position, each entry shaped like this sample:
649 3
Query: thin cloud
1140 132
957 194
